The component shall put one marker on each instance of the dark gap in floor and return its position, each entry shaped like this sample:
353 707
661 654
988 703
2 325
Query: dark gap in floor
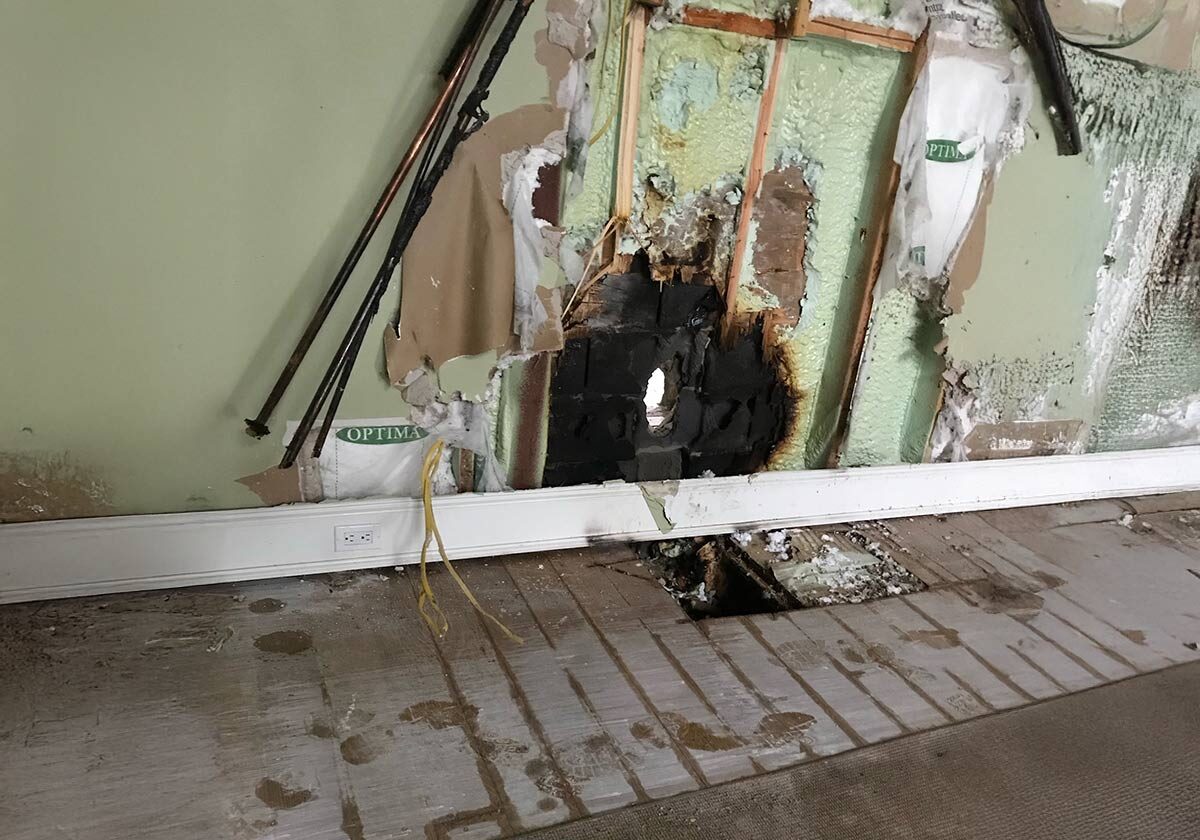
753 573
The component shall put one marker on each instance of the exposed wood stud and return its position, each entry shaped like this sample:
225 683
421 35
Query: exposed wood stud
862 33
802 25
631 101
754 176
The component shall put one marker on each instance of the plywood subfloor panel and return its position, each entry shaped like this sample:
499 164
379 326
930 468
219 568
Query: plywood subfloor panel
325 708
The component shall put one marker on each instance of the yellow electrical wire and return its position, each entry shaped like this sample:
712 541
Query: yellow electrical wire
427 602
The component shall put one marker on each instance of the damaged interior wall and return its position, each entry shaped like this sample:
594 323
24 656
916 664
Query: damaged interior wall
1067 323
802 279
180 181
177 245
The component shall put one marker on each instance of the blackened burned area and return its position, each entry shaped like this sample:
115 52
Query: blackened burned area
728 406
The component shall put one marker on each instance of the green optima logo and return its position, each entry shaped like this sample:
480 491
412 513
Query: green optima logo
946 151
381 435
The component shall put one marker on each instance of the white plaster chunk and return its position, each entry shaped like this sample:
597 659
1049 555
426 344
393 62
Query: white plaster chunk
1175 423
521 179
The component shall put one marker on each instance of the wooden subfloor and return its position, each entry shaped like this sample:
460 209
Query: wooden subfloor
324 708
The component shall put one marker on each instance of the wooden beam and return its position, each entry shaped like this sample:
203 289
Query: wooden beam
631 103
801 18
754 176
862 33
801 25
737 22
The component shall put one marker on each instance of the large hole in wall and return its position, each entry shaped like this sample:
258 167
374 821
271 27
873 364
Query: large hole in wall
644 391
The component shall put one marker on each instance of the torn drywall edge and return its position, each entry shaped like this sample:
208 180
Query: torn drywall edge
459 275
274 486
658 495
521 178
593 132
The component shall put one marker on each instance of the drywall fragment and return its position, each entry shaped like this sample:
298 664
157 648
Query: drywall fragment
36 486
821 569
1023 439
275 486
459 275
521 178
657 495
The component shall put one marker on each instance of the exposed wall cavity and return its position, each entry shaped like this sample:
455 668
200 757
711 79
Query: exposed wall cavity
700 99
718 410
835 120
965 118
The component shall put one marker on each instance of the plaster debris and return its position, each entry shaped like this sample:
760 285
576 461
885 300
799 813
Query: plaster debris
521 177
748 573
1176 423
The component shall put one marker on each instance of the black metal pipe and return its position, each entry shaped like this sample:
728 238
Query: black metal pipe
474 22
475 30
1045 46
335 399
471 118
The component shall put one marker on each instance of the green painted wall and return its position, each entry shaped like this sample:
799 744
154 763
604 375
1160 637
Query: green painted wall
180 179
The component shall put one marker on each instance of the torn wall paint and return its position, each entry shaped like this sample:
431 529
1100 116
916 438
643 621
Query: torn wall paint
459 272
1098 335
38 485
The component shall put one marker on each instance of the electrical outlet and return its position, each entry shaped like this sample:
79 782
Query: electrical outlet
355 537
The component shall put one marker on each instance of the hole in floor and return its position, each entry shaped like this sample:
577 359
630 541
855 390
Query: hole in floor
751 573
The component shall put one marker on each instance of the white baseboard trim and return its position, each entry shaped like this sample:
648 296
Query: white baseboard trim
120 554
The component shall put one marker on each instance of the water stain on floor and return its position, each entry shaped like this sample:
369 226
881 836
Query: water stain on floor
289 642
275 794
